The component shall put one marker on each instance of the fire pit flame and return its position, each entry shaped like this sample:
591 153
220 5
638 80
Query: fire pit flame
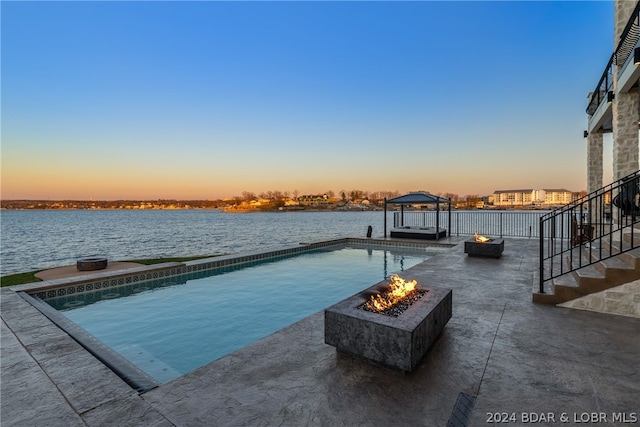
480 238
398 290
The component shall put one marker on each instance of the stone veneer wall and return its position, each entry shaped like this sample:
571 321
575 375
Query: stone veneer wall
626 119
625 133
626 107
621 14
594 161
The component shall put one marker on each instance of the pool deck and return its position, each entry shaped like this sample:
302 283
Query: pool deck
499 352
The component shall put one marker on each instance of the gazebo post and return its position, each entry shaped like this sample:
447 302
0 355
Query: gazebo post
385 217
438 218
449 227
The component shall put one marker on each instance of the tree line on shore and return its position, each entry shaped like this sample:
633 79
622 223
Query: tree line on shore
268 200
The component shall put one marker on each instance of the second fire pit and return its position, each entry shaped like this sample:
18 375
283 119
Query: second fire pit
481 246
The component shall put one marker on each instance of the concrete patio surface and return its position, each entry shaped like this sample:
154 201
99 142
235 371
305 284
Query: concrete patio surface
504 357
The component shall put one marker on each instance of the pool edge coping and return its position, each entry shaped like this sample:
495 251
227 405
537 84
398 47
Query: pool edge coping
134 275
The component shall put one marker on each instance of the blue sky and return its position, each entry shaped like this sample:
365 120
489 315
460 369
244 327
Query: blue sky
197 100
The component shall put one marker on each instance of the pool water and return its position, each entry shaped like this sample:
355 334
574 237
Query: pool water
172 328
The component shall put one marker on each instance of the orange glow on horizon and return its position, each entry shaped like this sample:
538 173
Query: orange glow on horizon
78 180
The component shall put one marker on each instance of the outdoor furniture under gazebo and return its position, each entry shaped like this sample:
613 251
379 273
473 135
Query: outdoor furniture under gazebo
418 232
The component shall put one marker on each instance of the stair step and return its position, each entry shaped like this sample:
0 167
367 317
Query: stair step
629 237
535 285
565 280
630 257
613 263
560 289
588 272
576 258
546 297
618 245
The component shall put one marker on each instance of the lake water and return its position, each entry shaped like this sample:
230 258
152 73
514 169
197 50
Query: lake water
40 239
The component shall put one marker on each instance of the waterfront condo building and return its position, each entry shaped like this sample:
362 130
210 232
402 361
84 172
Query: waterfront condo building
529 197
557 197
512 198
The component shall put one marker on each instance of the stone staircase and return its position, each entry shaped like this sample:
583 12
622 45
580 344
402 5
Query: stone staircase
605 274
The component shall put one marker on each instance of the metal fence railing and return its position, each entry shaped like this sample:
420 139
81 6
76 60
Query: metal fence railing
486 222
593 228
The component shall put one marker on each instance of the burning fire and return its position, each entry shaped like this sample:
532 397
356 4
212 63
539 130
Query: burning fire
398 290
480 238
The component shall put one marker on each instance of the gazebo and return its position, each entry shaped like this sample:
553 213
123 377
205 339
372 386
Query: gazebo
418 198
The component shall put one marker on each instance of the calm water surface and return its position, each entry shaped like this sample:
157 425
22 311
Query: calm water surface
33 240
40 239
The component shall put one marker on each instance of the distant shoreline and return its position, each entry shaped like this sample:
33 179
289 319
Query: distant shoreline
309 209
228 206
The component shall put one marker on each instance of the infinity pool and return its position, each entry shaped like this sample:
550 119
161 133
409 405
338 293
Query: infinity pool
170 327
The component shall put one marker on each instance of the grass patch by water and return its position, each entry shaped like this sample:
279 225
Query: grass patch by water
30 277
19 279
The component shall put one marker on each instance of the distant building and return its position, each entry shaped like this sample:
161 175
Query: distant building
314 200
529 197
509 198
558 197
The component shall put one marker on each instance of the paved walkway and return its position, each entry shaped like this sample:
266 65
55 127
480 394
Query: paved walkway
499 352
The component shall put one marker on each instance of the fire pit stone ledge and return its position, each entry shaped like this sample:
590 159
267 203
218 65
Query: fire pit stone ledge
394 342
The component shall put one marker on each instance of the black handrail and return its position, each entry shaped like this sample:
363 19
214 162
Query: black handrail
590 229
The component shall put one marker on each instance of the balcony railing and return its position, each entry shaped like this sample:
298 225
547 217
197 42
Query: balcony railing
605 85
628 41
629 38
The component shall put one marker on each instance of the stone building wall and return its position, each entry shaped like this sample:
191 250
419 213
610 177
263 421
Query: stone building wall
595 166
626 106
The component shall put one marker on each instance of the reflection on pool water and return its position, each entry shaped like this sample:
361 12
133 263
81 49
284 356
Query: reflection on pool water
171 327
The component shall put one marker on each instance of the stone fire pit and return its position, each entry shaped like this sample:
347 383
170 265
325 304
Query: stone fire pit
491 249
394 342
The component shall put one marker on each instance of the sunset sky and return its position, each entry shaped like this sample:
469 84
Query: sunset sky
204 100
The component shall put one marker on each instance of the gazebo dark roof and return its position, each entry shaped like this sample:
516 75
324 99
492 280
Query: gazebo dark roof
417 198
